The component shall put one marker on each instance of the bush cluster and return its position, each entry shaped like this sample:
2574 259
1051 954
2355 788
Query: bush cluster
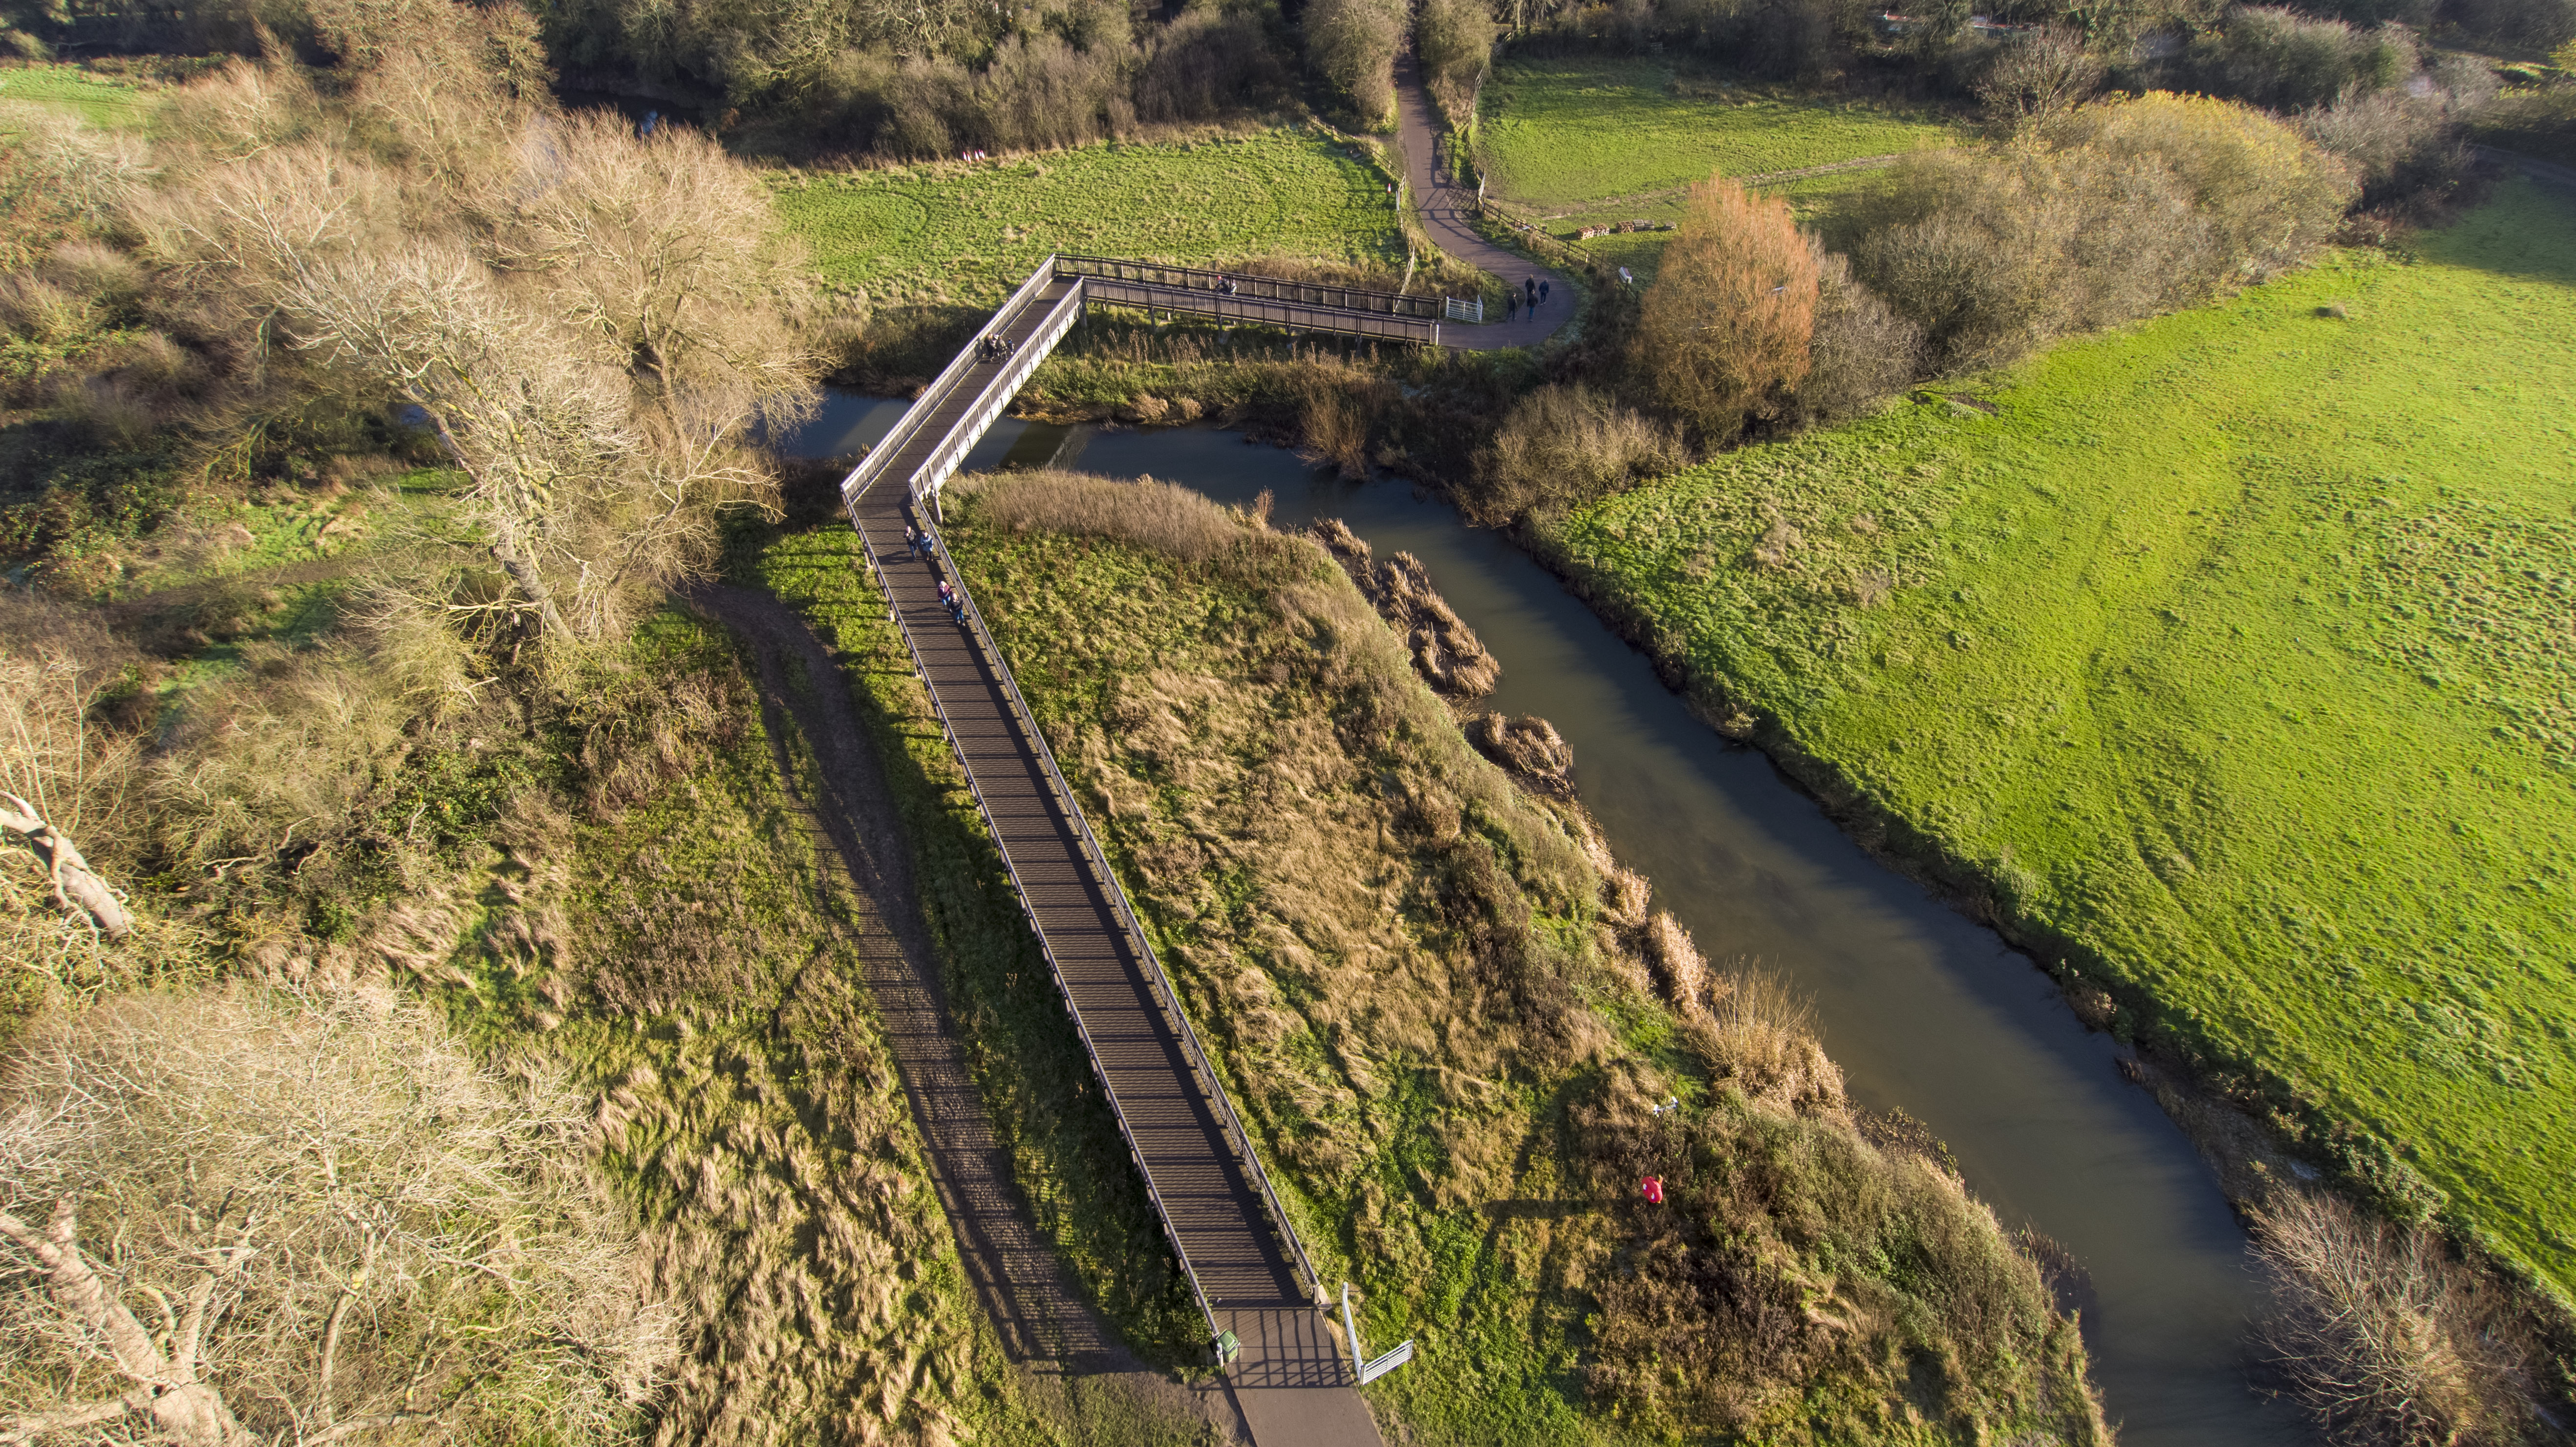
2275 57
2114 212
1562 446
1037 92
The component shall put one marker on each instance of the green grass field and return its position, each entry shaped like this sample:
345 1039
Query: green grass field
1642 252
2233 656
969 233
69 88
1557 134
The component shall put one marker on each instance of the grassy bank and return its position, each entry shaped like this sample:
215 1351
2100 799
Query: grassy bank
954 232
679 940
1556 134
2228 656
1447 1016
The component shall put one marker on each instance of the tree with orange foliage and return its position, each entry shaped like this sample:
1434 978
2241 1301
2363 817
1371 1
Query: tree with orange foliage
1726 324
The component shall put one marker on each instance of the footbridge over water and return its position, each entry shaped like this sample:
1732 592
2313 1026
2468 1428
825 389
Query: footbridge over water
952 414
1292 1378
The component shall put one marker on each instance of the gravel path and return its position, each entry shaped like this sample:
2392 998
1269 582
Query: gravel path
1448 213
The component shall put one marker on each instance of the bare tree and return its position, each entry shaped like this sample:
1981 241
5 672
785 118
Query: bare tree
666 249
662 252
591 354
537 419
2045 73
229 1220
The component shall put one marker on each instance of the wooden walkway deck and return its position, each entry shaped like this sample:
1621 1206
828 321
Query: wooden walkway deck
1292 1380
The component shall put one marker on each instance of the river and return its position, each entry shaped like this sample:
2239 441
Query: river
1922 1008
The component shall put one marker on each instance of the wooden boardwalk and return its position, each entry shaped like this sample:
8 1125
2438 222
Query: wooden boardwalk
1291 1381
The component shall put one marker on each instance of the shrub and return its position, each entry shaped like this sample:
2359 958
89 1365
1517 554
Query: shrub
1455 40
1562 446
2386 1339
2538 24
2267 198
1727 322
2038 76
1352 45
1971 248
2281 59
1861 351
2397 145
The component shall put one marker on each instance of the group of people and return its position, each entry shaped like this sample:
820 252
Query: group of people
917 544
1225 286
993 348
1532 292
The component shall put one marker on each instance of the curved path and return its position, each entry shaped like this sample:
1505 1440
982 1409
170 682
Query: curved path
1448 213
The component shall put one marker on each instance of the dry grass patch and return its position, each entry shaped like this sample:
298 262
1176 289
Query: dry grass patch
1450 1016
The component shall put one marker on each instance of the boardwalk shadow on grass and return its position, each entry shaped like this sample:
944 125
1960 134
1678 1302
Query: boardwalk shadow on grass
838 778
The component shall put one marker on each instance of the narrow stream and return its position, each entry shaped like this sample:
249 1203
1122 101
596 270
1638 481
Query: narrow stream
1923 1009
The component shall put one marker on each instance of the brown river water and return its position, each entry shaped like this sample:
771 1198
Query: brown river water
1924 1010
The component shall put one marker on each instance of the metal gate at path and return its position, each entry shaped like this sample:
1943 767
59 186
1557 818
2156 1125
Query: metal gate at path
1237 1248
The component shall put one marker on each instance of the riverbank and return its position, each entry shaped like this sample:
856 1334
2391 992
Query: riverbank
2157 651
1448 1014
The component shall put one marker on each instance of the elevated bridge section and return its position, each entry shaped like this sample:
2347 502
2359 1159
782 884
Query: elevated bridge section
1246 1268
953 413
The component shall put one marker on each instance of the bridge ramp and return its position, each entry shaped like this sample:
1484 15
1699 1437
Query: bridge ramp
1291 1382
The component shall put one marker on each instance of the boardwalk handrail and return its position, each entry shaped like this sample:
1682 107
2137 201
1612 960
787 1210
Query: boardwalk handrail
1261 311
1266 288
865 474
1028 904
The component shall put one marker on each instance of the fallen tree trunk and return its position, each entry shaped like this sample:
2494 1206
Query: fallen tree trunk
77 887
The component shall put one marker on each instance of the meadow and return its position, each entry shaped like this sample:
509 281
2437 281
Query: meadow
1642 252
966 233
2226 660
1559 135
68 88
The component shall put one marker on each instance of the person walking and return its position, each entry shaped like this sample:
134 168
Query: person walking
1529 289
911 542
948 597
1542 291
1511 305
